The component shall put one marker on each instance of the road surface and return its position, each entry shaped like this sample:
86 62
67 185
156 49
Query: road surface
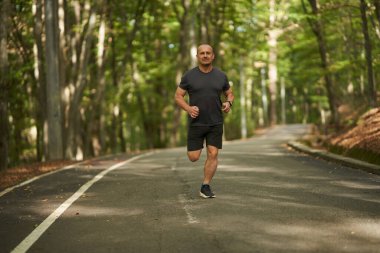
269 199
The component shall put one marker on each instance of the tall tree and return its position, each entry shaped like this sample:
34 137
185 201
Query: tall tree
79 81
39 76
273 34
317 28
376 23
212 19
92 145
54 119
243 108
4 85
377 9
278 20
117 118
119 61
368 55
187 50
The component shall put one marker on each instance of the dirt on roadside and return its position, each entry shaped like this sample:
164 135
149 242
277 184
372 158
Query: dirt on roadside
15 175
365 135
360 141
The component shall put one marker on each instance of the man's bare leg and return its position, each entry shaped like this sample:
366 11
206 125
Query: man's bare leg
211 164
194 155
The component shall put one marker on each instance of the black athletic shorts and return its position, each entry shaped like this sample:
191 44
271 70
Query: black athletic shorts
197 134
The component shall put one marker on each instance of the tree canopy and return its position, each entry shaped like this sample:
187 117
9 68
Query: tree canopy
117 65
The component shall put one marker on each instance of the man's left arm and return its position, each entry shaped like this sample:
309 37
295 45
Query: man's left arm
229 100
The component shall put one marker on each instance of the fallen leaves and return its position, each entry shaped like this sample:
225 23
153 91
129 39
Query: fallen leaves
365 135
15 175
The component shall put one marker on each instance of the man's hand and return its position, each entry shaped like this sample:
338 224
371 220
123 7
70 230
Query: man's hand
193 111
226 107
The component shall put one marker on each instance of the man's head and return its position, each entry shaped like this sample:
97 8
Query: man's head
205 55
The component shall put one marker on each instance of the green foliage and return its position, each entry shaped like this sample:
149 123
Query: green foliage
141 66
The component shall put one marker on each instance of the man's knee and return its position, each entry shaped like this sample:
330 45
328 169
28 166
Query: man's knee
212 152
193 159
194 155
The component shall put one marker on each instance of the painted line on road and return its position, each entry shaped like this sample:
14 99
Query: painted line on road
185 202
191 219
36 233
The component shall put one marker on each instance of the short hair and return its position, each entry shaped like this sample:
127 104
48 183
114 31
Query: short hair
207 45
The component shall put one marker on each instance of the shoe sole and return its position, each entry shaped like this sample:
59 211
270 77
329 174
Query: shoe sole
205 196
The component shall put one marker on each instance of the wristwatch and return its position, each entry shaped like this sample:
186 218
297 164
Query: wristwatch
230 103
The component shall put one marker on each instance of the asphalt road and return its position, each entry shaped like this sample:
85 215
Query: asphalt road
269 199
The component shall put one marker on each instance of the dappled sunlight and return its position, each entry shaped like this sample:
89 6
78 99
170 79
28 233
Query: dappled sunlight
358 196
274 152
366 228
357 185
236 168
310 236
146 166
267 201
79 210
97 211
258 202
279 223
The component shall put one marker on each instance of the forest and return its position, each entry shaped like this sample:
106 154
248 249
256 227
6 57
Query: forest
84 78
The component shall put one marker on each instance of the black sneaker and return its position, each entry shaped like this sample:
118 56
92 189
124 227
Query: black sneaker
206 192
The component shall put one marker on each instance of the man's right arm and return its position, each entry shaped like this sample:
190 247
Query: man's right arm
180 93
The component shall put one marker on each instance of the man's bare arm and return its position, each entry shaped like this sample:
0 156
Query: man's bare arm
229 100
179 96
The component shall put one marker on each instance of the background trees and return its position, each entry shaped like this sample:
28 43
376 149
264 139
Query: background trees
4 83
119 63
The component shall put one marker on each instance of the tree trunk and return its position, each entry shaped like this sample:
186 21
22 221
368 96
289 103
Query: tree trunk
276 29
117 121
243 108
63 62
39 75
73 130
141 106
186 56
55 148
219 23
273 35
120 127
283 101
272 76
96 109
264 114
204 20
128 60
212 18
4 85
317 29
368 55
377 9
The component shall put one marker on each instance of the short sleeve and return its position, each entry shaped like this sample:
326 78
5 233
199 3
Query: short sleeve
184 84
226 84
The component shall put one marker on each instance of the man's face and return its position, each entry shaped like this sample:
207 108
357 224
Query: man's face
205 55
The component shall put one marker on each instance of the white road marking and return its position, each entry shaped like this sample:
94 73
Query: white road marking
36 233
191 219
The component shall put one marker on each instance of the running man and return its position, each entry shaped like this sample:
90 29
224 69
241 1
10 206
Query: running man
205 84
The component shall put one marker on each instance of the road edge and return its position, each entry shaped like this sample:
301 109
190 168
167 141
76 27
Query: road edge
347 161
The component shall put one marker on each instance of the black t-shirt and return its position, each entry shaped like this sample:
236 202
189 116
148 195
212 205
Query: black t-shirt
204 90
